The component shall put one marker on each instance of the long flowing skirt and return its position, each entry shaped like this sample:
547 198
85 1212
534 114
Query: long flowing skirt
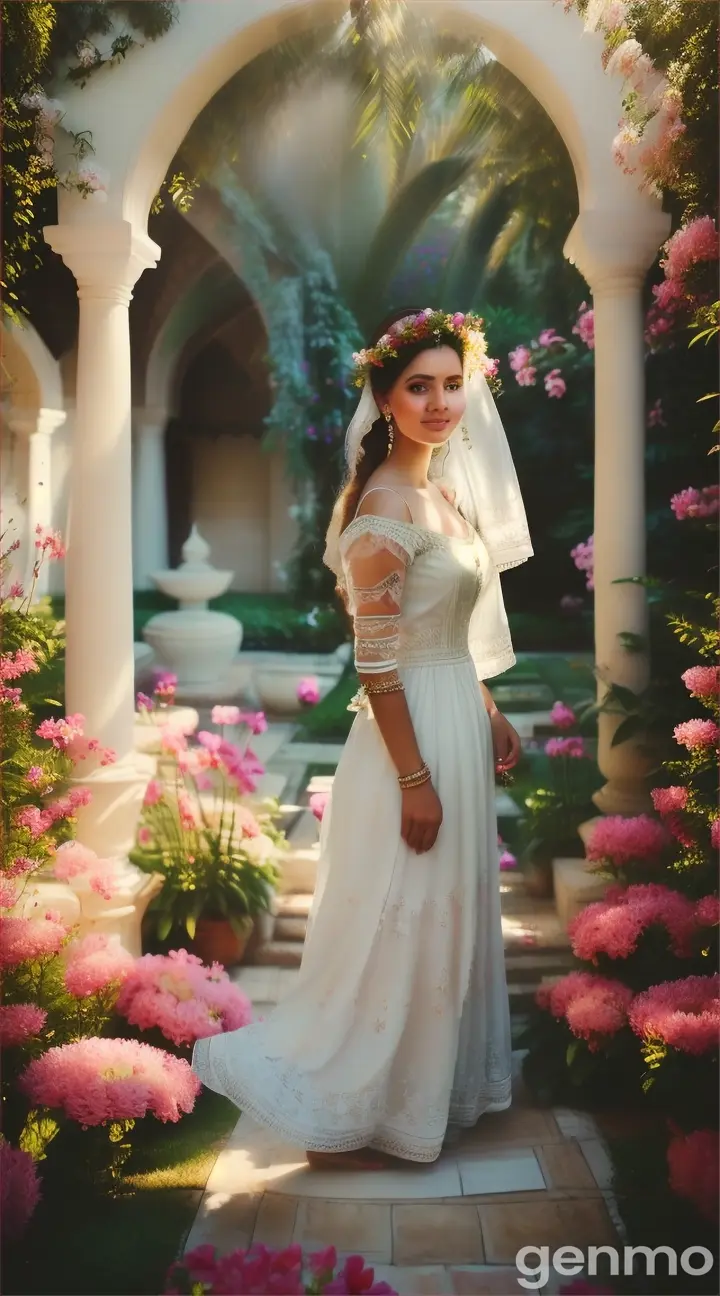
398 1023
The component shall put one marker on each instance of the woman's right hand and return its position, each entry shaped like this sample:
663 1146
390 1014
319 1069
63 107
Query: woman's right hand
422 816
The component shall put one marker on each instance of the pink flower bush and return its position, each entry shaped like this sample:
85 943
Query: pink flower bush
13 665
308 691
702 681
94 963
27 940
8 893
669 800
519 358
273 1273
693 1162
689 245
562 716
526 377
573 747
707 911
555 384
75 862
694 503
614 926
697 734
594 1007
62 732
19 1190
98 1080
684 1014
584 326
715 834
618 841
19 1022
583 555
318 804
185 999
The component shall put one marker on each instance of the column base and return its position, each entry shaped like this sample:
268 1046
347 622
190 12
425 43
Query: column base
109 823
623 797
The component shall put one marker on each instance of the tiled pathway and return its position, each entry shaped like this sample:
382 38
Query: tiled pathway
522 1177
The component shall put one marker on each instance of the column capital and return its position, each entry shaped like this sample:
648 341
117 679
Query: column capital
613 249
107 258
28 422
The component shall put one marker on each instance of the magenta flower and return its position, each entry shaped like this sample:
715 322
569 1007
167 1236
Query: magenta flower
98 1080
694 503
693 1161
526 377
573 747
19 1022
584 326
308 691
226 715
154 792
19 1190
27 940
615 925
618 841
165 687
94 963
669 800
697 734
702 681
354 1280
318 804
34 775
62 732
182 997
594 1007
255 721
507 861
562 716
143 702
583 555
548 337
555 384
695 242
684 1014
519 358
490 367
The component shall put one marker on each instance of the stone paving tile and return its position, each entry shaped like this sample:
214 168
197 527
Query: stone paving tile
225 1221
580 1222
362 1228
565 1166
275 1223
575 1124
441 1233
485 1280
598 1160
518 1127
502 1170
415 1280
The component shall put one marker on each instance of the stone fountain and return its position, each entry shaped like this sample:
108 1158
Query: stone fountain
196 644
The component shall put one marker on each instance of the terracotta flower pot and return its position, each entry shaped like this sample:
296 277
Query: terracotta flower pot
217 942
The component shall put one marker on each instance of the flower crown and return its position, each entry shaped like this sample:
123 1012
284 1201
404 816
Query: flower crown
433 325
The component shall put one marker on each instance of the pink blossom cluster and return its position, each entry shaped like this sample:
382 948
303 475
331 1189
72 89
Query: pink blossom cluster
605 14
27 940
19 1022
684 1014
19 1190
707 911
12 695
698 241
318 804
593 1006
525 372
574 747
74 862
656 415
694 1169
94 963
702 681
97 1080
618 840
185 999
165 687
62 732
8 893
670 799
562 716
274 1273
49 542
13 665
507 861
242 767
555 384
584 326
583 555
39 821
233 715
694 502
715 834
308 691
697 734
614 926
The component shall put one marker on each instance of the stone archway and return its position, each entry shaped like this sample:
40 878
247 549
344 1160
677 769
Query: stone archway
138 114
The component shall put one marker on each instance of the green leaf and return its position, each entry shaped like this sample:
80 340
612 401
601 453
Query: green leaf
164 926
624 696
628 729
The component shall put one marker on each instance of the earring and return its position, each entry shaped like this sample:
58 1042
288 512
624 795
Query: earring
390 427
466 437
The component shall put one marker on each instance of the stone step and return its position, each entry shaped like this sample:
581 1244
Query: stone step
522 996
290 929
277 953
298 871
297 905
575 888
537 968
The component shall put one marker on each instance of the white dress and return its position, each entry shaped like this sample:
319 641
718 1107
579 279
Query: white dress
398 1023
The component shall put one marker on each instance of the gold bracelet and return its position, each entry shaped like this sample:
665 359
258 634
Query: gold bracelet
417 779
385 686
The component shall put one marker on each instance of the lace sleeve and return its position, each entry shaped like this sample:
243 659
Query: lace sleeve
375 567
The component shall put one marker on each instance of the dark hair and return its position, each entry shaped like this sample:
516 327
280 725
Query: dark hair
375 443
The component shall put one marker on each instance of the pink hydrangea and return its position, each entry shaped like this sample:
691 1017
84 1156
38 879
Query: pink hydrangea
584 326
562 716
702 681
19 1022
695 242
555 384
707 911
619 841
19 1190
94 963
614 926
684 1014
308 691
26 940
573 747
670 799
694 1169
185 999
694 503
97 1080
697 734
526 377
594 1007
62 732
226 715
318 804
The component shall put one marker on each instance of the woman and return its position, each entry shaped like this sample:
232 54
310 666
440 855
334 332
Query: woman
398 1024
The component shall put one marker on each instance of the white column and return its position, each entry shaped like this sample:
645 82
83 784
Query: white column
38 426
614 258
106 260
150 526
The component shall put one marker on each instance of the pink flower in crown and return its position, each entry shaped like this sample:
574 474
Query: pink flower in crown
697 734
702 681
490 367
684 1014
20 1022
308 691
226 715
562 716
619 840
458 319
555 384
526 377
19 1190
94 963
549 337
670 799
693 1169
519 358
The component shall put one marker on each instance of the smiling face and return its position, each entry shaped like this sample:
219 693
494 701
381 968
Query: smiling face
427 401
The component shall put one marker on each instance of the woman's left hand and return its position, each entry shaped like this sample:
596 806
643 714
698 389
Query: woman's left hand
506 742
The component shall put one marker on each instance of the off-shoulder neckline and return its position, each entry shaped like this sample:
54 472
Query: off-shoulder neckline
411 526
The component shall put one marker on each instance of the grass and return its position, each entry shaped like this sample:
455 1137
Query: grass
84 1242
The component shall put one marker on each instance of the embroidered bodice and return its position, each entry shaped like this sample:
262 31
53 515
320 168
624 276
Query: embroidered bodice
418 597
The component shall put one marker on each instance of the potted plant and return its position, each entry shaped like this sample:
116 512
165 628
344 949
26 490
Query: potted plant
218 858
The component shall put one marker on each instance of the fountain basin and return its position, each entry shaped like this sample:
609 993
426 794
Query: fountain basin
196 645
